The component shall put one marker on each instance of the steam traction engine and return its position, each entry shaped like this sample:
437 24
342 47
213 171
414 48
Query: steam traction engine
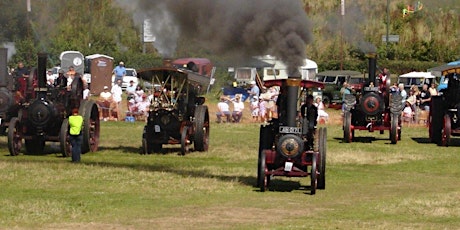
375 109
43 116
445 110
8 105
291 146
177 114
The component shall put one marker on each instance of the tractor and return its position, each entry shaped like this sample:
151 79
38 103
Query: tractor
177 114
44 111
291 145
444 113
376 108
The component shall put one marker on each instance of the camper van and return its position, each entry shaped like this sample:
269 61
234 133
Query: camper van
279 70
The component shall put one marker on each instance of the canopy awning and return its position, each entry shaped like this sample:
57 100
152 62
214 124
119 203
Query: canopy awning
417 75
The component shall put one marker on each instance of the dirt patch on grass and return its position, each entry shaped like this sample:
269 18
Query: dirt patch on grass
375 158
438 205
220 217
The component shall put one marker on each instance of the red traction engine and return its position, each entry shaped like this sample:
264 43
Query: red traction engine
292 145
445 110
8 102
43 115
377 108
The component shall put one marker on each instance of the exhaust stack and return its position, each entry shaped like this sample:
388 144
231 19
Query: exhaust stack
293 85
372 57
3 67
41 75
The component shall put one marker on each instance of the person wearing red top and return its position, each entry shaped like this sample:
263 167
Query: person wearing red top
384 78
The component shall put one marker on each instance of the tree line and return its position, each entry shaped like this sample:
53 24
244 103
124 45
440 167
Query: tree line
426 38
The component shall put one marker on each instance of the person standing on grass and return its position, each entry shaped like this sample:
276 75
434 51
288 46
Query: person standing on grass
116 95
255 109
75 127
120 72
254 91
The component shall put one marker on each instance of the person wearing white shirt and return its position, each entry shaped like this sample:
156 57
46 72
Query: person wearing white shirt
131 89
238 107
224 110
116 95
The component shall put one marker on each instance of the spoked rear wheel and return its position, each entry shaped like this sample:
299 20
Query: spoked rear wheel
66 148
446 129
394 133
322 158
313 175
347 132
201 137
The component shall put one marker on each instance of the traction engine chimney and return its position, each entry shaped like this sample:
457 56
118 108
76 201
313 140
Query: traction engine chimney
372 67
41 75
3 67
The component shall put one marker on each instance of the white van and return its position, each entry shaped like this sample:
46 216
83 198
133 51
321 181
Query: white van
308 70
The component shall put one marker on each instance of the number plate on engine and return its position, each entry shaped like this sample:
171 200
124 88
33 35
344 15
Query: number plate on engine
288 166
286 129
157 129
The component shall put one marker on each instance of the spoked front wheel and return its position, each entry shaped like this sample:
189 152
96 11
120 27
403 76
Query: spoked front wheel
14 137
261 176
185 141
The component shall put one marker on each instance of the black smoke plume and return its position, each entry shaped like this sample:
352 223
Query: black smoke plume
247 27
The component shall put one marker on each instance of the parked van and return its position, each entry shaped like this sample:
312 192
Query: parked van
333 81
279 70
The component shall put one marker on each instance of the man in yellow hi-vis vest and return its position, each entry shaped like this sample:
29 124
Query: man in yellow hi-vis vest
75 127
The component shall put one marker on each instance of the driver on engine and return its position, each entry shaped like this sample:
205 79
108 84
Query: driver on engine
384 79
309 114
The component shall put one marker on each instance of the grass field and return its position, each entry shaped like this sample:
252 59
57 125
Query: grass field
371 184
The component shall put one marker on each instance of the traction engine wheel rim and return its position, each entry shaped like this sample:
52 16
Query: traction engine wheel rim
322 158
14 137
313 175
185 141
347 132
145 146
446 130
201 137
91 128
65 146
394 129
262 177
429 123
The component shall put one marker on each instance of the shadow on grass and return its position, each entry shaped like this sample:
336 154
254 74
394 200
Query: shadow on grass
246 180
167 149
276 185
422 140
363 139
454 142
279 185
